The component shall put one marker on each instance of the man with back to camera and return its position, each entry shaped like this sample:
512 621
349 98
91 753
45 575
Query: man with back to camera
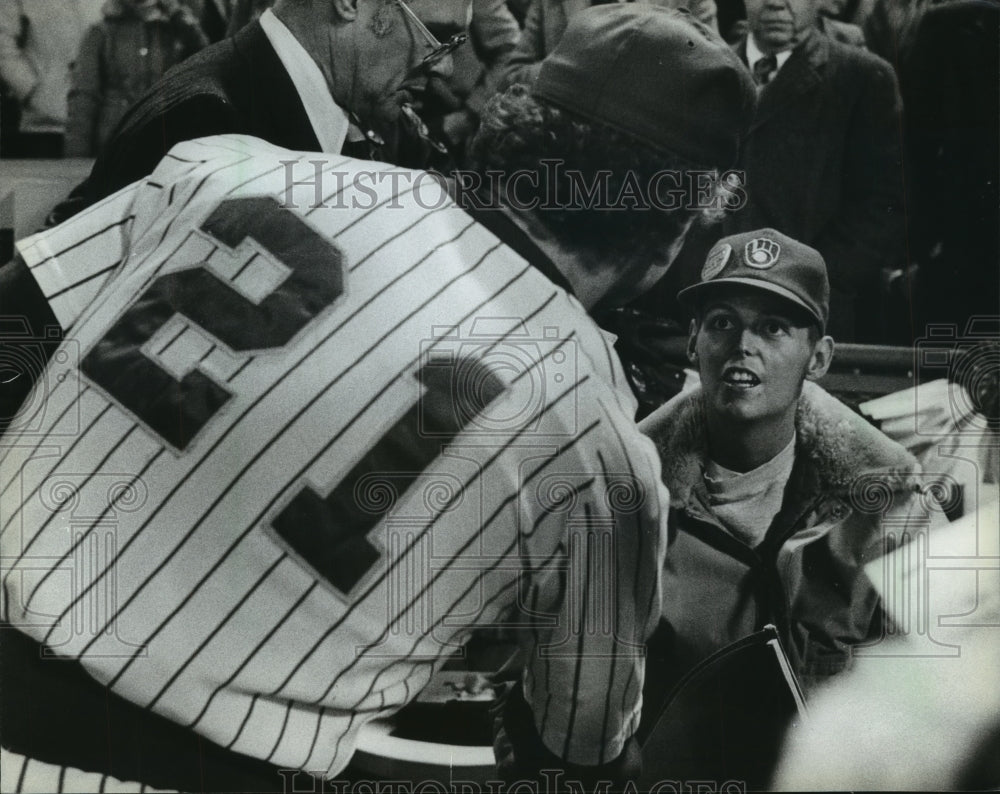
767 522
310 379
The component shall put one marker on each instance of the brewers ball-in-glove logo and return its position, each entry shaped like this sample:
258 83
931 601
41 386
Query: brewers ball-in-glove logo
716 261
761 253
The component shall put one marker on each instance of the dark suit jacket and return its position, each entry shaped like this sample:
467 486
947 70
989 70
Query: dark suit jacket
823 164
236 86
949 84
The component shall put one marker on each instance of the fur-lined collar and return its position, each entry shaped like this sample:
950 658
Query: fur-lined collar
838 443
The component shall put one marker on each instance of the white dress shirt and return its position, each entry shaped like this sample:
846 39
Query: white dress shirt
754 54
330 122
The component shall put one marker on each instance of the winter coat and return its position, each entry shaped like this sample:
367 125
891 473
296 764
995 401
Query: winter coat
851 493
823 163
120 58
39 40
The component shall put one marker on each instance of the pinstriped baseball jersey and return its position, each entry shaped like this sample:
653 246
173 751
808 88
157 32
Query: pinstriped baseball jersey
303 438
29 775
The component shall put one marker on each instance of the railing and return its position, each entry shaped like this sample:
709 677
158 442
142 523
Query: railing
655 355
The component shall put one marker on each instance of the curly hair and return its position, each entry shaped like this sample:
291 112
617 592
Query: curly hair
550 158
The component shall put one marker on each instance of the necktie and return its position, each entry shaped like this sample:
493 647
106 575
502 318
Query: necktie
764 69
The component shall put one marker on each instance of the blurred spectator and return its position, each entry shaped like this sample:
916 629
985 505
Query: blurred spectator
732 19
950 82
910 721
822 161
39 40
546 21
302 76
452 111
891 28
733 23
120 58
947 57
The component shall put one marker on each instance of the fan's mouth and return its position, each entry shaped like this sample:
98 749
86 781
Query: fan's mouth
740 378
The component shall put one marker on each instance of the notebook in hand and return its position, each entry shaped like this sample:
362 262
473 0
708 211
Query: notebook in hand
726 719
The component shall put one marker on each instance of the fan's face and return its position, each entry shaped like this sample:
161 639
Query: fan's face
752 356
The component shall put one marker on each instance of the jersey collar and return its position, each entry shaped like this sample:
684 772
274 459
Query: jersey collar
513 236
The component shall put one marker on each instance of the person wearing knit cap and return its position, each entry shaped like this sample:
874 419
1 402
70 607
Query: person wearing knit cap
333 76
632 94
545 23
367 336
764 469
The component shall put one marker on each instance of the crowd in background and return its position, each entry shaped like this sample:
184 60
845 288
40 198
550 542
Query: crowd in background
69 70
865 192
893 177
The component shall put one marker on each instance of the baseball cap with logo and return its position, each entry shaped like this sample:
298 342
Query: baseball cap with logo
768 260
656 74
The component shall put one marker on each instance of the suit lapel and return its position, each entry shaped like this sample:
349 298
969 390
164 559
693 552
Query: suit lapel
800 75
272 102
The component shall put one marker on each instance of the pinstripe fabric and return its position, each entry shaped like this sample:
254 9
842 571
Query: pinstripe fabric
22 775
167 571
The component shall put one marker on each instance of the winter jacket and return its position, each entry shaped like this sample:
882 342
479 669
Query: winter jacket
120 58
39 40
851 492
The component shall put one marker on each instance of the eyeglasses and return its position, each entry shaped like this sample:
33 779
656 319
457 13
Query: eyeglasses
438 50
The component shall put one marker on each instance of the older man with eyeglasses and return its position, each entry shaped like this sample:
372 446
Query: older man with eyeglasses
374 419
332 76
